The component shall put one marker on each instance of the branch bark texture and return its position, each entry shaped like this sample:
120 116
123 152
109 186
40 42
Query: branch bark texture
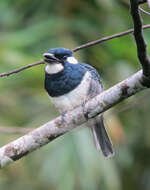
140 42
62 124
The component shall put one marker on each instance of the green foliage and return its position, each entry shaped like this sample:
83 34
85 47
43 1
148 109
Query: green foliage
27 30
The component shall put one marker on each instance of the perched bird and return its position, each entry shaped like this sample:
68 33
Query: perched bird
69 83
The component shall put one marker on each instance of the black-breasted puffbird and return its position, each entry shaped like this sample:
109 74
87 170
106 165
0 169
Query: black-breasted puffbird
69 83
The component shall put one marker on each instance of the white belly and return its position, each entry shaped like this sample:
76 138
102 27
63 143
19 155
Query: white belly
75 97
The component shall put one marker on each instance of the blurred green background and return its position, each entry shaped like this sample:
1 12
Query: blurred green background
27 30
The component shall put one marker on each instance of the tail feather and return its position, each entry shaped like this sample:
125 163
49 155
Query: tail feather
101 138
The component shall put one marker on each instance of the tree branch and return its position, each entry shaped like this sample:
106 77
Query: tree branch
140 42
143 11
89 44
21 69
62 124
140 100
95 42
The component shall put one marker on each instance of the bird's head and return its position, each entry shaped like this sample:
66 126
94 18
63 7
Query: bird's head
56 58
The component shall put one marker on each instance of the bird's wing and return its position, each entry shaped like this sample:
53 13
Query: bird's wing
101 138
93 72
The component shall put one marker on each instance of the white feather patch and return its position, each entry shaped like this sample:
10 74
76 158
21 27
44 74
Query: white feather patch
53 68
72 60
75 97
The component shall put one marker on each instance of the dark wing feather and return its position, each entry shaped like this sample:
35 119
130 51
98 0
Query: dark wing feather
93 72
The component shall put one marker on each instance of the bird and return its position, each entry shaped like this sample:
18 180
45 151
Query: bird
70 83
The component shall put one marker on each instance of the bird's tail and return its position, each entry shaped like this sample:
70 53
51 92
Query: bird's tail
101 138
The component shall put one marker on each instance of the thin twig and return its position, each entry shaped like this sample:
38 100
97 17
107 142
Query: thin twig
107 38
143 11
21 69
140 42
77 49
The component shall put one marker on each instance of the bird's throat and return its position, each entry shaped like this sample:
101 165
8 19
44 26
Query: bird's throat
53 68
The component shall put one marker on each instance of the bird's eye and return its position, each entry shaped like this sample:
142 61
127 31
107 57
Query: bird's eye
64 56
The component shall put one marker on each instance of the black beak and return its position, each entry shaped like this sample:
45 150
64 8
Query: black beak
50 58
